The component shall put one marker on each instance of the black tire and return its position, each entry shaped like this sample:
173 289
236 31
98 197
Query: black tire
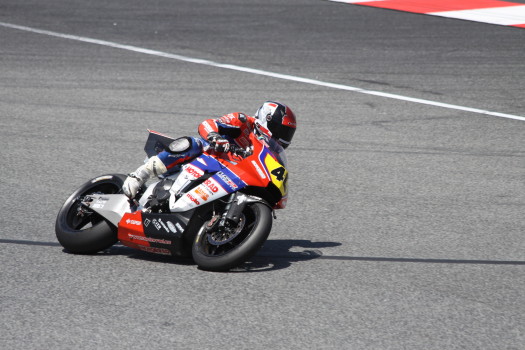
255 231
89 234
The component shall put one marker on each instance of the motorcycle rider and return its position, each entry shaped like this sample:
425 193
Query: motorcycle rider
272 118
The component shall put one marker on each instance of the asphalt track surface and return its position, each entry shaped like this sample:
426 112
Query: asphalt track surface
405 224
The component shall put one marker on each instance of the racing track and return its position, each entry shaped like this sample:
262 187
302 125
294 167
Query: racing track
405 224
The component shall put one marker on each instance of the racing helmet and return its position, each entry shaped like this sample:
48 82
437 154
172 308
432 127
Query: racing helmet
279 119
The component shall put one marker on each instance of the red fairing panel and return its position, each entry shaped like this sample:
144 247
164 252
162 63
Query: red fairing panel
131 231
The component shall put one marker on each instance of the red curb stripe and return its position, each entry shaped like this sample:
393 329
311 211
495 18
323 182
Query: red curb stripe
424 6
490 11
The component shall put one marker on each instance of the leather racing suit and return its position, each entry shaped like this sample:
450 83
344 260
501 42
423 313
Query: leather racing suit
216 133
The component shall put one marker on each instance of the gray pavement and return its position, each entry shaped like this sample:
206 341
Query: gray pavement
405 225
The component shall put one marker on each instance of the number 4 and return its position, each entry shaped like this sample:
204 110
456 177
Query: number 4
279 173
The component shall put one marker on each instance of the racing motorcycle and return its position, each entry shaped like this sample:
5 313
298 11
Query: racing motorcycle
217 208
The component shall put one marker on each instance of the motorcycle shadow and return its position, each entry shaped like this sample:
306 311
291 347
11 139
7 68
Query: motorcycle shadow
276 254
279 254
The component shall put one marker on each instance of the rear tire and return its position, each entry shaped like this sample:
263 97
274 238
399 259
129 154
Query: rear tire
87 234
222 257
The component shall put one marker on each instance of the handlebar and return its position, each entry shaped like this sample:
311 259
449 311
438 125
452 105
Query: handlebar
239 151
232 148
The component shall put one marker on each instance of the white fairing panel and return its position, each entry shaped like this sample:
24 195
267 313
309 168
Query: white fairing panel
208 191
110 206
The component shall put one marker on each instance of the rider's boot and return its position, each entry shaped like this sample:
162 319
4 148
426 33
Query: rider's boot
153 167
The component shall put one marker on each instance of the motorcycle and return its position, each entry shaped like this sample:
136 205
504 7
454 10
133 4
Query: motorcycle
217 208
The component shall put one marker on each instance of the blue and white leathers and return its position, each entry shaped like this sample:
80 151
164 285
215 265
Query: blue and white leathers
181 151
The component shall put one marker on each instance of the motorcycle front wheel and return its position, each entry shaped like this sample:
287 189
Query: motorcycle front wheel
219 249
82 231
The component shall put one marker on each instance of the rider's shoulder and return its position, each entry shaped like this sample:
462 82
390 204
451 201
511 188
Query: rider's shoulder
236 117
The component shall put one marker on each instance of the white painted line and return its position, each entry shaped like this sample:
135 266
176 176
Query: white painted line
260 72
507 16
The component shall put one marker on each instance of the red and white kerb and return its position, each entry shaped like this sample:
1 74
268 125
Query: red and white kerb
487 11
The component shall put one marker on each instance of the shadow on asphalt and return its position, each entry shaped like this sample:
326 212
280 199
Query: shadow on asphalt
274 255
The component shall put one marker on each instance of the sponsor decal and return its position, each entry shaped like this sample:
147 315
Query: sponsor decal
227 180
290 122
196 172
202 194
259 170
156 224
147 222
211 186
171 227
149 239
133 222
206 190
164 225
179 227
162 251
193 199
177 156
99 203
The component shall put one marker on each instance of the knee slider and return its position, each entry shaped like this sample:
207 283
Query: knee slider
180 145
181 150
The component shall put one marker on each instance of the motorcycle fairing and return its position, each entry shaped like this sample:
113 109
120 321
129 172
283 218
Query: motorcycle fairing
154 232
219 185
110 206
231 175
277 172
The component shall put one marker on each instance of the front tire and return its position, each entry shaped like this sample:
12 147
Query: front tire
87 233
209 253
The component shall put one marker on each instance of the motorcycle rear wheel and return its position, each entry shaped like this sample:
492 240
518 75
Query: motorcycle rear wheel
87 233
253 230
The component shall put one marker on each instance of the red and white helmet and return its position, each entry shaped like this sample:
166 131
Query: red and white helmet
279 119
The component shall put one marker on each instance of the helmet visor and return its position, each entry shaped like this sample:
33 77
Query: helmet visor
285 135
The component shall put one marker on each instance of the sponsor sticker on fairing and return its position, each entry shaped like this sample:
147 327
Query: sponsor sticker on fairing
193 199
259 170
211 185
156 224
155 250
202 194
149 239
171 227
99 203
227 180
133 222
164 225
193 171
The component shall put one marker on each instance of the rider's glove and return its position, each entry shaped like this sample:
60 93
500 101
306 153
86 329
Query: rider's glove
218 143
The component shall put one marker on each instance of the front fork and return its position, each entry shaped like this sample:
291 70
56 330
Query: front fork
233 210
232 213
